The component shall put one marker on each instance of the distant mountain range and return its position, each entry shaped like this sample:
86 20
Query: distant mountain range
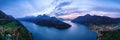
45 20
96 20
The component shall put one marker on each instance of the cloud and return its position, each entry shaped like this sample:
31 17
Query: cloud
59 7
104 13
106 9
71 15
40 5
63 4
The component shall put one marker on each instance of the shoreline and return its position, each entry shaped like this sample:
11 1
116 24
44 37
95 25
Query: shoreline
101 29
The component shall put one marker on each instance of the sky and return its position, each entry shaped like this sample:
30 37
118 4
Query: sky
61 8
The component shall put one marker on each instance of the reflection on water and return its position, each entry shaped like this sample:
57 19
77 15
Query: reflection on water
76 32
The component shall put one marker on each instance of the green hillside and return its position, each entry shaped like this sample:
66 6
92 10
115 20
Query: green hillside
11 29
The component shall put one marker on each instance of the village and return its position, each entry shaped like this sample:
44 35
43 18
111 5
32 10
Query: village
100 29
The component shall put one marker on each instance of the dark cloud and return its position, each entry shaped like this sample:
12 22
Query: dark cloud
62 4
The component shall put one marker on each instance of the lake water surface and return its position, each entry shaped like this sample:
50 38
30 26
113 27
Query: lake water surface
76 32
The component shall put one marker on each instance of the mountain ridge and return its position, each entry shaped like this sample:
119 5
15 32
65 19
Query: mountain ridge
45 20
96 20
9 26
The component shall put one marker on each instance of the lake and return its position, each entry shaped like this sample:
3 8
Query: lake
76 32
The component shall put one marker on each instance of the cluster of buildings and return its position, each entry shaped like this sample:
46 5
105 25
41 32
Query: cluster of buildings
100 29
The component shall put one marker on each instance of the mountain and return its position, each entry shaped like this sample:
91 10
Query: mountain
11 29
45 20
111 35
96 20
2 15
